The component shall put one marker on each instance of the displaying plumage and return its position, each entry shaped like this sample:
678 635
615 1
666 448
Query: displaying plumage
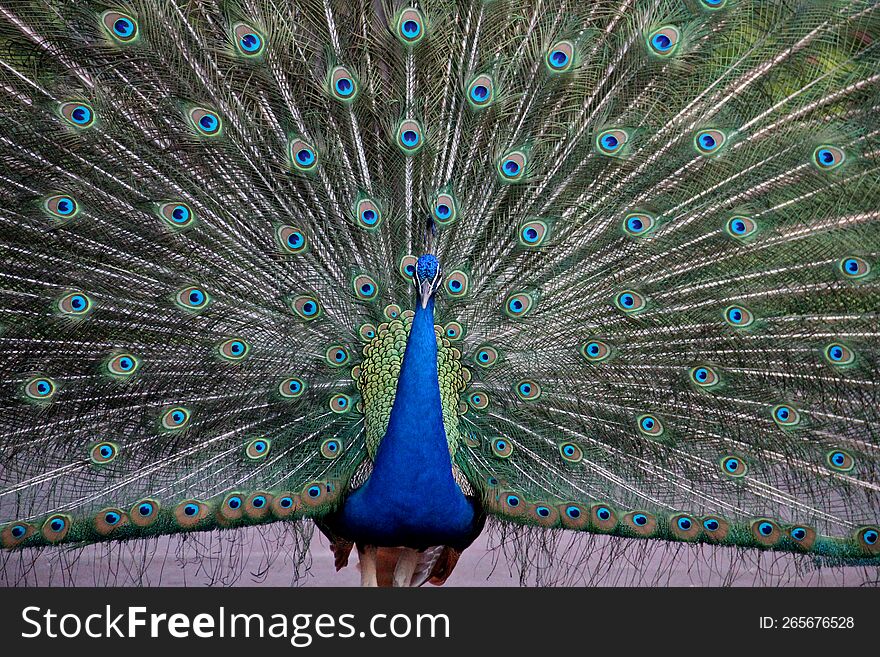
406 268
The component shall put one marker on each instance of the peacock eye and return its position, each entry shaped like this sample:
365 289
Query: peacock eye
331 448
741 227
786 416
704 376
445 208
368 214
306 306
630 301
650 425
121 27
410 26
533 233
854 267
75 304
79 114
250 42
713 4
61 206
176 214
291 239
257 449
733 466
453 331
486 356
711 524
738 316
291 387
206 122
103 453
457 284
233 349
340 403
478 400
40 388
596 351
664 41
512 166
560 57
303 155
365 287
192 298
828 157
481 91
175 418
638 223
337 355
708 142
343 86
840 460
611 142
519 304
528 390
571 452
409 136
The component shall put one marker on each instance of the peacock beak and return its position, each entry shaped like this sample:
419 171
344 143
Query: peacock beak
426 289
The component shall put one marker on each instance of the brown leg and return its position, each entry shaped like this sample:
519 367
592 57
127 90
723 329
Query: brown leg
406 566
367 559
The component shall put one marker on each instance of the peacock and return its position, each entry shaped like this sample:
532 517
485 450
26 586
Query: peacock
411 269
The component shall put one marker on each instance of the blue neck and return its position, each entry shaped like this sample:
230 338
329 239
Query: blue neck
411 497
415 443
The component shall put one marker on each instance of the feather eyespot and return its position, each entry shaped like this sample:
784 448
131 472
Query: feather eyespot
596 351
206 122
630 301
869 539
391 311
519 304
368 214
175 419
343 85
512 166
144 513
486 356
733 466
650 425
61 206
331 448
641 523
611 142
40 388
75 304
234 349
192 298
303 155
407 268
410 26
715 529
107 520
456 284
560 57
803 536
103 453
704 376
176 214
291 239
56 527
337 355
786 416
317 493
481 91
840 460
285 505
453 331
684 527
533 233
708 142
307 307
365 287
249 42
79 114
854 267
340 403
713 4
409 136
190 513
603 518
738 316
15 534
828 157
838 353
367 332
664 41
571 452
478 400
121 27
291 387
258 449
741 227
527 390
766 532
445 209
638 224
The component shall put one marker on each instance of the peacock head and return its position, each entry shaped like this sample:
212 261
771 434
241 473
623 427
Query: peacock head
427 277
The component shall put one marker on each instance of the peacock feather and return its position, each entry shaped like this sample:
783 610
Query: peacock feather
402 267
